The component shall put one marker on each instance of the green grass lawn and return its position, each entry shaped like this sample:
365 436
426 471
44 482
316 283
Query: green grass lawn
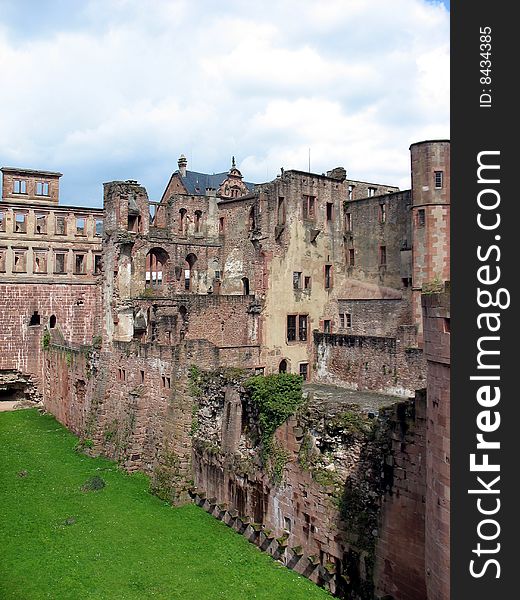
123 542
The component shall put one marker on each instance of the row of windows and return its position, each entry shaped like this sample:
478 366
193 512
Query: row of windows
41 262
41 222
297 326
20 187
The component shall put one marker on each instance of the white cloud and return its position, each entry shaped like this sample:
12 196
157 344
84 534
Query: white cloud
122 87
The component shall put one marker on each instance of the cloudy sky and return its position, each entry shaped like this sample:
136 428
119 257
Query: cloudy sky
118 89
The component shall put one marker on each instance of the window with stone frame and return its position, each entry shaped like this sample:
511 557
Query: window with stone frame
98 229
81 226
281 211
42 188
302 328
80 263
40 223
329 212
348 221
291 328
309 207
2 221
439 180
351 257
98 264
19 186
3 260
60 225
382 256
328 277
297 280
60 264
20 222
382 213
19 261
40 261
304 371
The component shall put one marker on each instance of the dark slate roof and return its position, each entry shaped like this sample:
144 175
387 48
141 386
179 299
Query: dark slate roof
197 183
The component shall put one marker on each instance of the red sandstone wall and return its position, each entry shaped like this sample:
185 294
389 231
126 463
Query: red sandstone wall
436 311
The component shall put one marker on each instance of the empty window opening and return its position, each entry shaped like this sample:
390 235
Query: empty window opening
328 277
3 257
98 229
326 326
182 221
245 286
80 226
304 371
306 283
198 221
79 264
98 264
59 262
60 226
297 280
191 259
20 223
287 523
330 211
351 257
371 192
35 319
421 217
447 325
382 255
121 375
309 207
351 192
221 225
142 376
2 221
382 213
438 180
134 224
52 322
281 211
155 263
41 224
166 382
19 186
42 188
20 258
40 262
348 222
282 367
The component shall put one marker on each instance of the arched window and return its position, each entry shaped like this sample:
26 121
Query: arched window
245 284
155 262
182 221
198 220
191 259
52 322
282 368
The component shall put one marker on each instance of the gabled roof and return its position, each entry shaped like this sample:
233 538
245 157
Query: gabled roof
197 183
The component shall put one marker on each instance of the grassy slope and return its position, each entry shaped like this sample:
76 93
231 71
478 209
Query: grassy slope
125 543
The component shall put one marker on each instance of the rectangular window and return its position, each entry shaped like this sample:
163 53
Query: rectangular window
20 261
438 180
348 222
329 211
166 382
348 320
97 264
19 186
142 376
42 188
328 277
60 226
2 221
382 213
221 225
421 217
79 264
297 280
350 192
309 207
341 320
371 192
121 375
3 259
59 262
99 227
187 274
80 226
351 257
304 371
40 262
326 326
302 328
306 283
291 328
20 223
40 224
382 255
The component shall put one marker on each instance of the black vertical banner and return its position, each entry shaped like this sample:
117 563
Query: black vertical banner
485 242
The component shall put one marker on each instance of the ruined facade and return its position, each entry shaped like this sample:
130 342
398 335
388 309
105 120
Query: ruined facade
140 340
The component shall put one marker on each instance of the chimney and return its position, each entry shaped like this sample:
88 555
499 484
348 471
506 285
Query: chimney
183 163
